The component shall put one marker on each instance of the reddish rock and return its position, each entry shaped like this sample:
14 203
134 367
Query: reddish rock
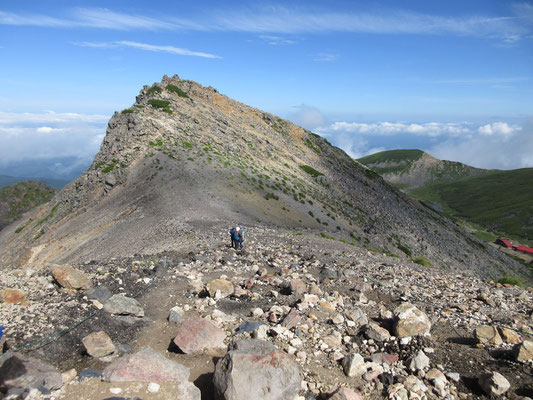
298 287
346 394
376 332
198 334
147 365
13 296
292 319
384 358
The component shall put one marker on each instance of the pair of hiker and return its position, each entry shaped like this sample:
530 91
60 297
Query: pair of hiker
236 235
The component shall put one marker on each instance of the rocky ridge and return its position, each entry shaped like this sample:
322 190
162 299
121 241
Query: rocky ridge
184 156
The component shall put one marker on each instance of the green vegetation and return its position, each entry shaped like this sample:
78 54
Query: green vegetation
127 111
50 215
160 105
109 168
311 171
485 236
502 200
177 90
153 91
21 197
271 196
422 261
511 280
405 249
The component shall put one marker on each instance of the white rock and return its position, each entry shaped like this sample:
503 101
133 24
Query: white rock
153 387
115 390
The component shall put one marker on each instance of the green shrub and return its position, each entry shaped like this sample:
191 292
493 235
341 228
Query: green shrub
310 170
109 168
422 261
154 90
177 90
271 196
160 104
405 249
311 214
127 111
511 280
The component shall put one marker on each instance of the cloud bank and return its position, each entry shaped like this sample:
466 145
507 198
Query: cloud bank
496 145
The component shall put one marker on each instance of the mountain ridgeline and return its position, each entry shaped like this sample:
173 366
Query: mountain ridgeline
184 158
501 201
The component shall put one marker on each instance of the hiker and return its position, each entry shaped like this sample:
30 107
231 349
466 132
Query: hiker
232 234
239 238
2 339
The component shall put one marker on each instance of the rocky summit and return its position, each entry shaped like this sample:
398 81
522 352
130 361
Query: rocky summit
127 287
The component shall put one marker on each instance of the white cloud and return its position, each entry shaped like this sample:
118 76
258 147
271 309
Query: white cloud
499 128
431 129
326 57
50 135
309 117
276 40
284 20
146 47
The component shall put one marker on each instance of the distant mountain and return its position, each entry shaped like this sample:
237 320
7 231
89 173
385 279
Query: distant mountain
410 169
6 180
502 201
17 199
184 162
57 168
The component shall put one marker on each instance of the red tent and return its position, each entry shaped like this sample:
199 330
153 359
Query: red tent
504 242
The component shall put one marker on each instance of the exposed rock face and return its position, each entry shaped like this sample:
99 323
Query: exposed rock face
256 370
186 143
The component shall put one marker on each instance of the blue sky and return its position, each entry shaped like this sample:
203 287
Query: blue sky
453 78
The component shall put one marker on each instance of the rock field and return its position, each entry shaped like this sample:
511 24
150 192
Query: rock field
292 316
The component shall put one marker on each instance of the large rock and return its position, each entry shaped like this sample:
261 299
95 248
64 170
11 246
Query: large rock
410 321
223 287
70 278
255 370
17 371
98 344
122 305
198 334
494 383
523 351
509 336
376 332
346 394
147 365
486 334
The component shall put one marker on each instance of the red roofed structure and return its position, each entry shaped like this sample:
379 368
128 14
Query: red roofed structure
525 249
505 243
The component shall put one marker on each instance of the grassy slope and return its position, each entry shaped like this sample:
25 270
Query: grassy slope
6 181
21 197
502 200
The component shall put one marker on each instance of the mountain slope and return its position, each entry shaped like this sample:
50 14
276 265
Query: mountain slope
410 169
20 198
185 158
6 180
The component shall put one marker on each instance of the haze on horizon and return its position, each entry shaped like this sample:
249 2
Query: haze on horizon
454 79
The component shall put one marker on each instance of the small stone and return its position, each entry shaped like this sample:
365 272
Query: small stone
384 358
69 376
345 394
223 286
493 383
297 287
176 315
454 376
419 362
115 390
261 332
354 365
486 334
292 319
98 344
153 387
376 332
523 351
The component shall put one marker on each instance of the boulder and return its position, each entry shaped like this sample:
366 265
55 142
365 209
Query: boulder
523 351
509 336
257 370
197 334
175 315
13 296
486 334
419 361
98 344
222 286
410 321
70 278
100 293
17 371
376 332
122 305
494 383
345 394
146 365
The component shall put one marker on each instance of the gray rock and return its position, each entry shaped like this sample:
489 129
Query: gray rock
493 383
354 365
358 316
523 351
122 305
17 371
100 293
328 273
146 365
176 315
486 334
248 326
254 371
419 361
